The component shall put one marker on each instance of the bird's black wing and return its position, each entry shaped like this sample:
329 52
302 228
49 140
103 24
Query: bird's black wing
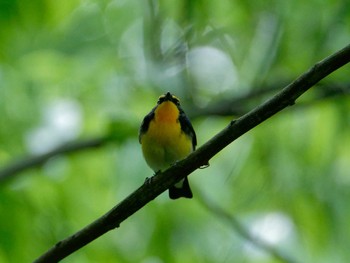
145 123
187 127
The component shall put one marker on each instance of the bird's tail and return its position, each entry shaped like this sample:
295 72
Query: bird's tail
181 189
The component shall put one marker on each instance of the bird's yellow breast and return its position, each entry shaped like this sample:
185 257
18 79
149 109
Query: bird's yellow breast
164 143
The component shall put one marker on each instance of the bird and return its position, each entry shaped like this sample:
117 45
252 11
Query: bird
166 136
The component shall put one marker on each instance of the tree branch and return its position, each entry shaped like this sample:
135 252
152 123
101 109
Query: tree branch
32 161
239 105
162 181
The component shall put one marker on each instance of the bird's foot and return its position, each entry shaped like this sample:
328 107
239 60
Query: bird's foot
149 180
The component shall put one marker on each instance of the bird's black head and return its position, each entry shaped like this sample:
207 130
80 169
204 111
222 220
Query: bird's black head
169 97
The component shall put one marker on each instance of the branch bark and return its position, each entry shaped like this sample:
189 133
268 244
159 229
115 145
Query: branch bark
162 181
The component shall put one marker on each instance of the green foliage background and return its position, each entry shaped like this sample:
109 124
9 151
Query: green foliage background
108 61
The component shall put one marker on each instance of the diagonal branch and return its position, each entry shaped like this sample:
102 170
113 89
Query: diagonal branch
162 181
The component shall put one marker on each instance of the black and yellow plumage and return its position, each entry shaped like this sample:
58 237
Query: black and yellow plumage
166 136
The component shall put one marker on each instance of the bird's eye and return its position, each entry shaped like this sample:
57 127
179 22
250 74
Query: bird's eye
176 101
161 99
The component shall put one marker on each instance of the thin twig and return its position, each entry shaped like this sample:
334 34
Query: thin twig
239 105
33 161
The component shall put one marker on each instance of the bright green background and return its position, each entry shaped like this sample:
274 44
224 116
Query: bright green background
83 69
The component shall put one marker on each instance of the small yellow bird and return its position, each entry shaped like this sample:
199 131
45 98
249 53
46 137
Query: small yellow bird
167 136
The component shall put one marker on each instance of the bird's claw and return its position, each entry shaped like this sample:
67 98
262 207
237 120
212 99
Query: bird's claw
148 180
